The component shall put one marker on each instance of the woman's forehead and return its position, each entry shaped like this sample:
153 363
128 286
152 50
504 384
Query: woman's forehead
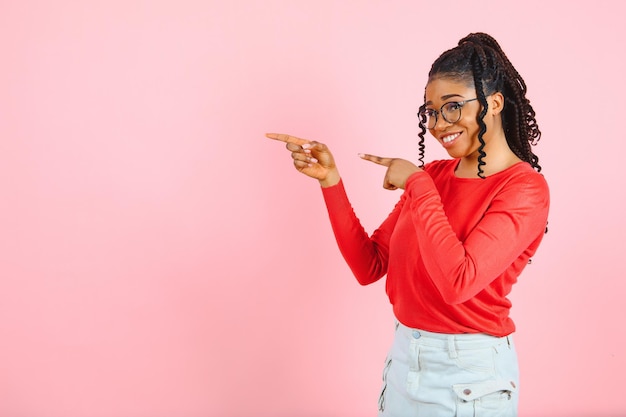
442 89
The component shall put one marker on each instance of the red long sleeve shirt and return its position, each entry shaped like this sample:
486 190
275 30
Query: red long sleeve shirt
452 248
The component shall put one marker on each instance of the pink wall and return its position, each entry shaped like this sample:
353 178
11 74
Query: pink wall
160 257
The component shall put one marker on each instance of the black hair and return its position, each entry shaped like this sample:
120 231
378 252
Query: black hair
479 60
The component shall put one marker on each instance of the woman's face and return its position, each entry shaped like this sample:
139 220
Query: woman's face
460 139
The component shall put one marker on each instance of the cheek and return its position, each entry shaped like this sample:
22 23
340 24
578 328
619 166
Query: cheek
471 125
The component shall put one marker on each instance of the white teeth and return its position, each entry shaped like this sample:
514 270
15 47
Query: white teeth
450 138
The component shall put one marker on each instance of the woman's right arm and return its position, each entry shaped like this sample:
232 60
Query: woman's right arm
367 257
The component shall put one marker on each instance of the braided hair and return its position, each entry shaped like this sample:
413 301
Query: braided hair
479 60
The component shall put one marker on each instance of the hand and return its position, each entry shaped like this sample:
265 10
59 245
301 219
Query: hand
310 158
398 170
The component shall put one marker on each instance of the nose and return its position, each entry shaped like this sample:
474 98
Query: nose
441 123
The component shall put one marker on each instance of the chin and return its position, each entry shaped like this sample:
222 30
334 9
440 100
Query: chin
453 154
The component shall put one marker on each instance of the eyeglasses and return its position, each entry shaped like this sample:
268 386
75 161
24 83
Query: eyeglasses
450 111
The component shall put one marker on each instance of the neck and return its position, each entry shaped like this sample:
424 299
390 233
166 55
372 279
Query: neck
498 158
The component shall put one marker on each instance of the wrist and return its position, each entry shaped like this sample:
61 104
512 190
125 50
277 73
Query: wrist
331 179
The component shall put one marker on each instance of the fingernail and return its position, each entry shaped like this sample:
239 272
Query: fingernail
313 160
306 146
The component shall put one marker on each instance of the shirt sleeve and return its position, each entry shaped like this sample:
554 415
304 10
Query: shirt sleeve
367 257
514 222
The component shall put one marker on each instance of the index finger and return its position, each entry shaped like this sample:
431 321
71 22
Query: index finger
287 138
376 159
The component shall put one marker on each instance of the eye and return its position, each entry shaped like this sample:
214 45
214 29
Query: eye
430 113
452 106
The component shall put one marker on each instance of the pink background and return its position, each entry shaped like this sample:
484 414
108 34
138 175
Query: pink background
160 257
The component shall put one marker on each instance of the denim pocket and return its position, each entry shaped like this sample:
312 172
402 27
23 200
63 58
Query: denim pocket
477 360
493 398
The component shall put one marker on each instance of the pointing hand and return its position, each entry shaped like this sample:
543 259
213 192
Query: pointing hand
310 158
398 170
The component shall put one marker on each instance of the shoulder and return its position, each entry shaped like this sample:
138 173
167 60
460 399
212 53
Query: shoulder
523 173
525 183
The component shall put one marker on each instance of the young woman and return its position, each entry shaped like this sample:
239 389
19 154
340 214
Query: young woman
457 240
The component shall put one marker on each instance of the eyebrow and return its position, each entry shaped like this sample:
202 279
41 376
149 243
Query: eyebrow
444 98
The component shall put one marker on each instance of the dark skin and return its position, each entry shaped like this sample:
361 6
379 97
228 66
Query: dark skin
315 160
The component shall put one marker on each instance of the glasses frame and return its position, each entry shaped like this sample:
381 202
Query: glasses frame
424 118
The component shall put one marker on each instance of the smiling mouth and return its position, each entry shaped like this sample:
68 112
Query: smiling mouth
450 138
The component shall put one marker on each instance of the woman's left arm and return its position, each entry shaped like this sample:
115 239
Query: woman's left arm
513 224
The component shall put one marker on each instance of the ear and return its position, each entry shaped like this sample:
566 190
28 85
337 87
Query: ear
496 103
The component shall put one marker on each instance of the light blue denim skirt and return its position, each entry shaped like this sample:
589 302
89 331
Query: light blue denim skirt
453 375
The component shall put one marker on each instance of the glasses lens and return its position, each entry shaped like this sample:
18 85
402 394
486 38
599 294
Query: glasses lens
429 118
451 112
